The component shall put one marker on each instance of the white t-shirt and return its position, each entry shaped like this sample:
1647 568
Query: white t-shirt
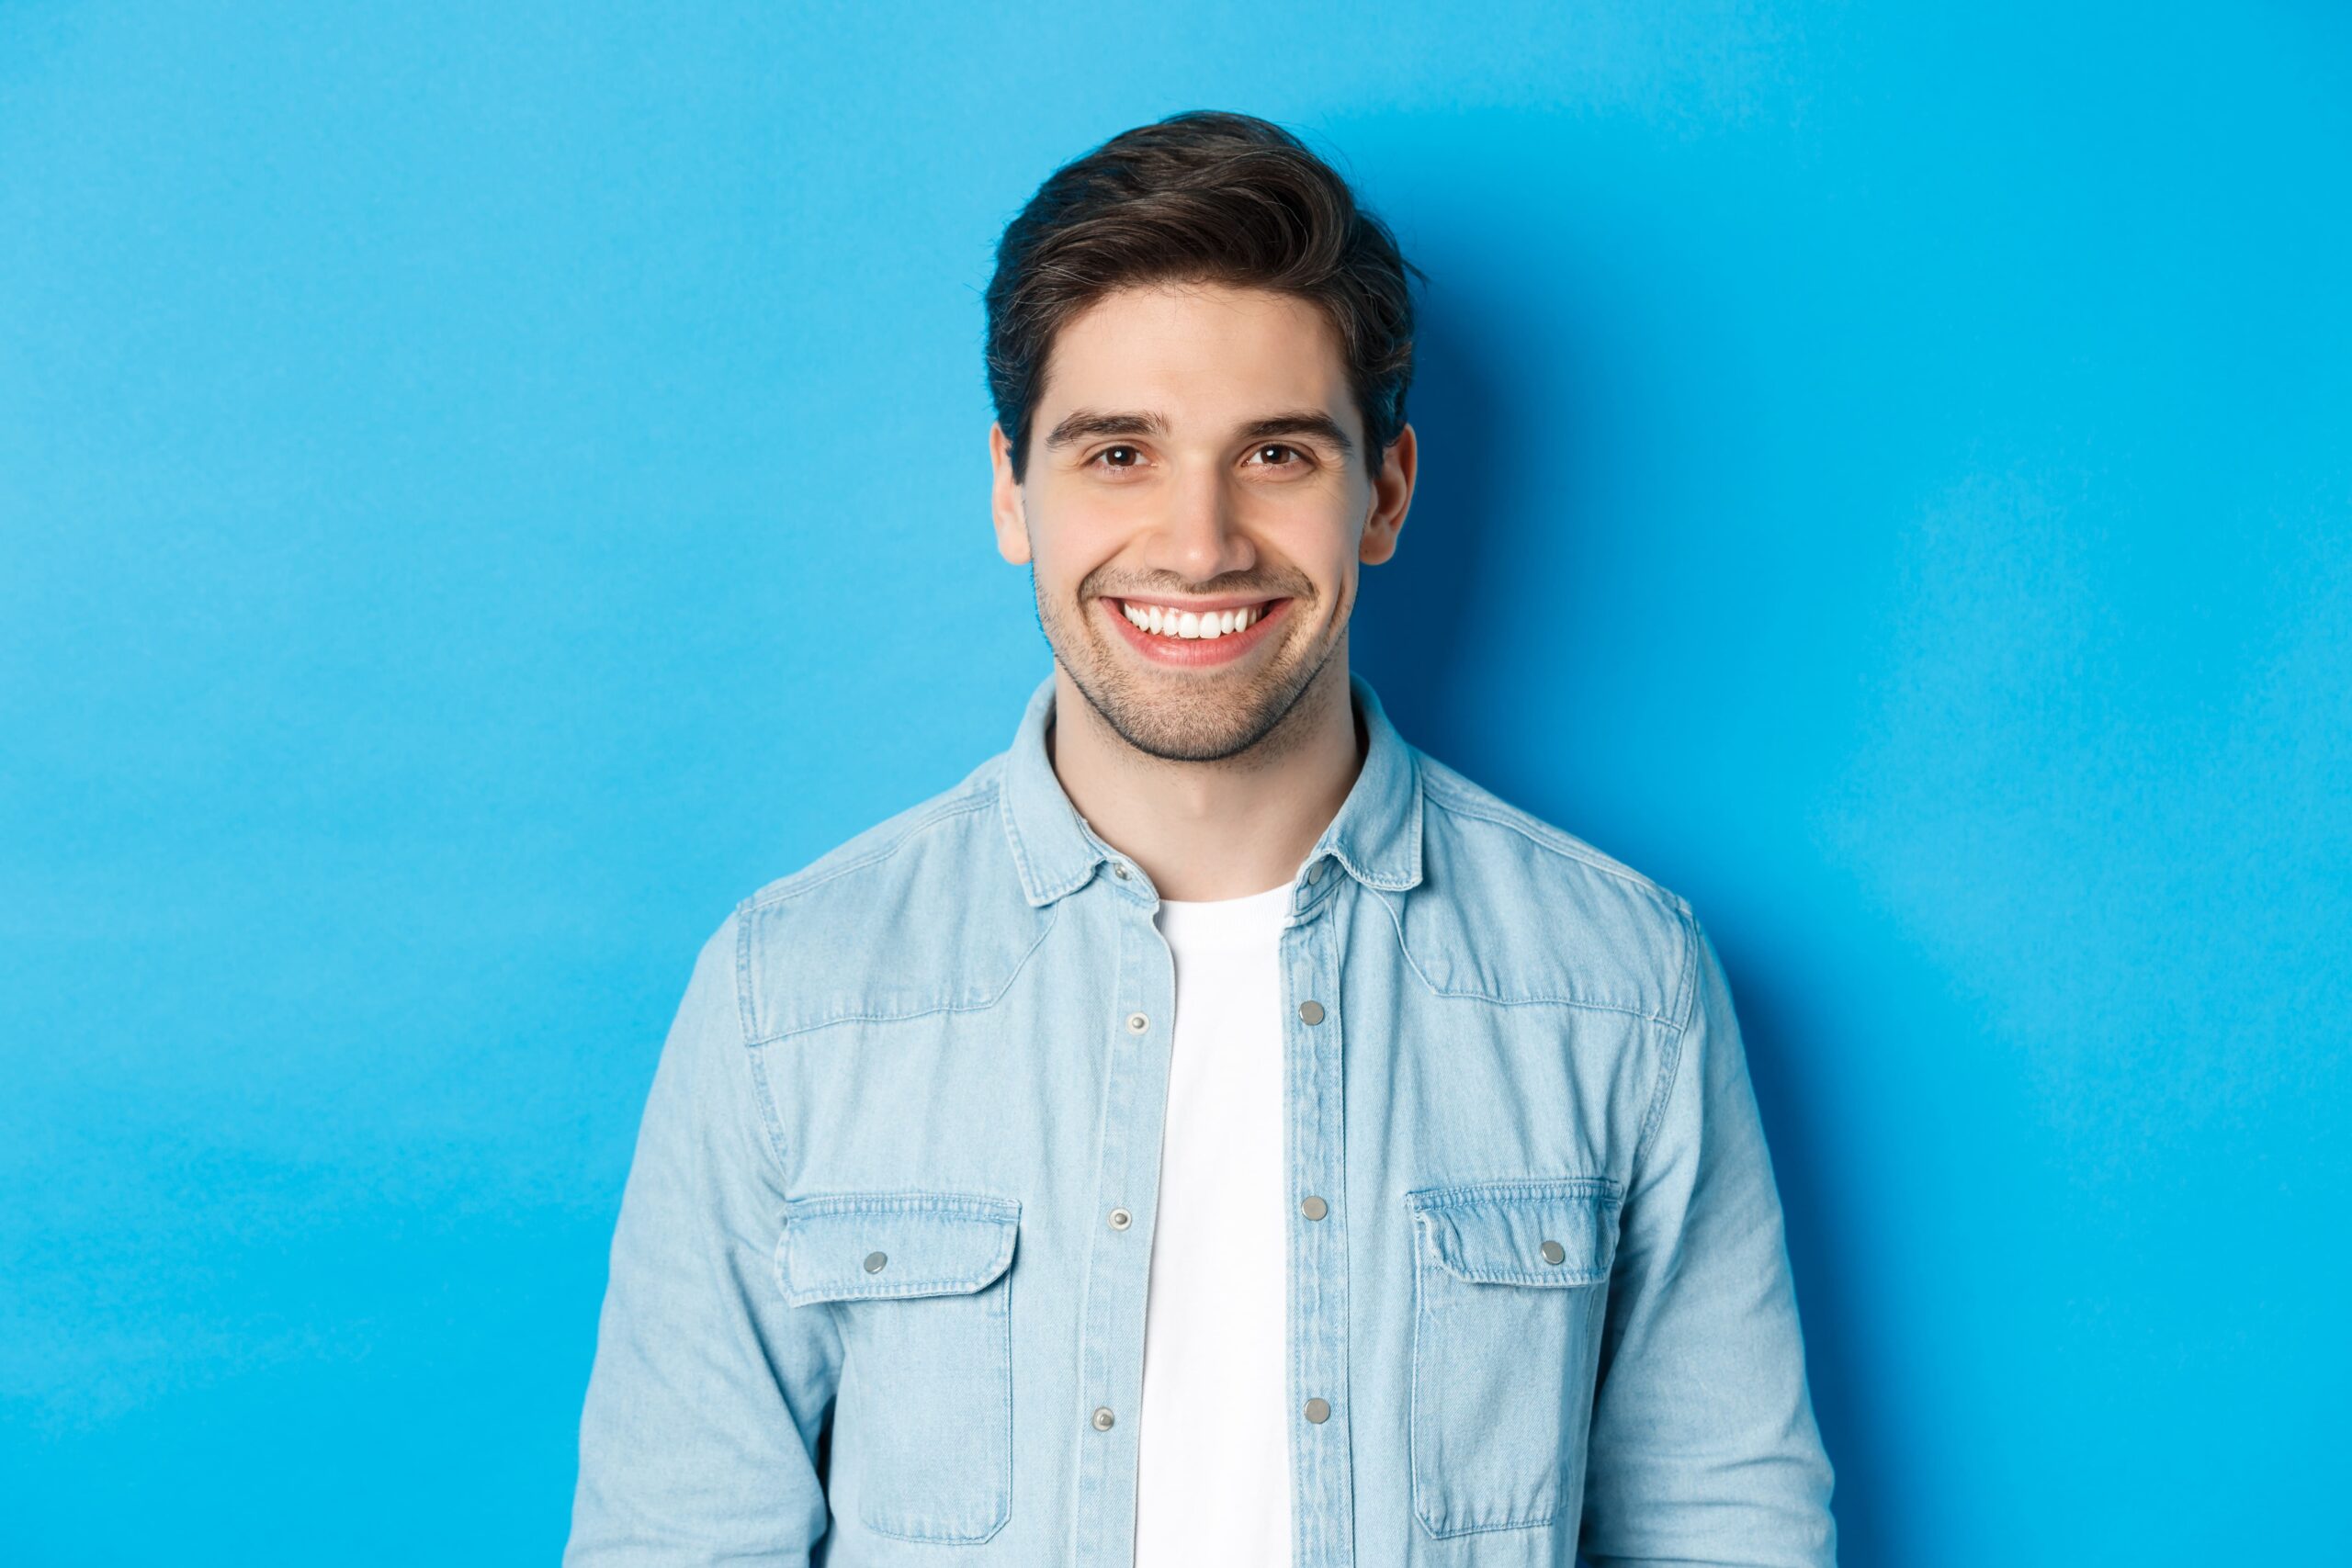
1213 1483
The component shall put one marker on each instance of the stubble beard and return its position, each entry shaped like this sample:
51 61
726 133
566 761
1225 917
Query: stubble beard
1177 718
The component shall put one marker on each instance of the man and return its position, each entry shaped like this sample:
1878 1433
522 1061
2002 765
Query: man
1213 1132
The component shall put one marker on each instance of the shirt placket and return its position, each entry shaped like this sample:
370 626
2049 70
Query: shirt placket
1136 1030
1320 1416
1141 1032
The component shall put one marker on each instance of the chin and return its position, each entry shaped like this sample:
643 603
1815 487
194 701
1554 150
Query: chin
1213 721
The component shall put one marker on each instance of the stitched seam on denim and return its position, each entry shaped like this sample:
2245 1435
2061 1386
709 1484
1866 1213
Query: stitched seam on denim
1413 1401
1004 1489
1417 814
1485 1530
1537 831
1686 926
1454 1194
1425 1498
1004 1406
1526 1193
746 1012
1028 868
936 1285
1001 1215
940 1285
1012 837
771 1125
980 1006
1005 1345
979 1205
1669 1070
1342 853
1586 1003
794 886
1526 1277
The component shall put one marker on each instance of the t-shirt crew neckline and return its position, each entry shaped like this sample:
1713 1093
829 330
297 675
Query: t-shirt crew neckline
1253 916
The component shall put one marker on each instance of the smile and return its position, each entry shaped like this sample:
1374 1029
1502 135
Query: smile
1195 635
1166 621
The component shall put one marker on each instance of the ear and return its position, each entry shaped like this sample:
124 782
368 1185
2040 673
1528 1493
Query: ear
1004 500
1392 492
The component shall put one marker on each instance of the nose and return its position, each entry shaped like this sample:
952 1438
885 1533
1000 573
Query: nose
1198 538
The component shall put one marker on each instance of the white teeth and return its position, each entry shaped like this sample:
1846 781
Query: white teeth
1189 623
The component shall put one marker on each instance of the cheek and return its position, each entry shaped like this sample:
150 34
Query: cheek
1067 569
1089 524
1323 547
1309 523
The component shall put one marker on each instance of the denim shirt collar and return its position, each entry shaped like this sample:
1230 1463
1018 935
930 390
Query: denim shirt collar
1375 835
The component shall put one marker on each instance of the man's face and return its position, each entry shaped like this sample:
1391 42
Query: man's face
1196 459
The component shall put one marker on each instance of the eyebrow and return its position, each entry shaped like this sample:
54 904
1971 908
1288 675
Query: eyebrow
1087 424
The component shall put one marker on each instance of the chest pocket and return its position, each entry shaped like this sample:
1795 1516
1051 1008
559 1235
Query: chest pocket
1508 1281
923 1422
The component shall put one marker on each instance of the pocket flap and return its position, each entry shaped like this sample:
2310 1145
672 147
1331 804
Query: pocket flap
1506 1232
856 1246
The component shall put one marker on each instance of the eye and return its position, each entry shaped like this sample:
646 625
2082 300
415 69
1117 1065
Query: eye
1296 457
1126 458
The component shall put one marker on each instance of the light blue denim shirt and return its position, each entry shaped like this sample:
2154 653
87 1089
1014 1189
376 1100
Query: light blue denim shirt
878 1282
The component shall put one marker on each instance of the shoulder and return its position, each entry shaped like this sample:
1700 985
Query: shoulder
1517 909
923 912
901 845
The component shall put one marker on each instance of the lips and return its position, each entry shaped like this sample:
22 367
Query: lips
1197 651
1207 619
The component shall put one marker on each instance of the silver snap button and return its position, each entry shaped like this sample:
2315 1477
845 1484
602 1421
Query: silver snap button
1311 1011
1103 1417
1554 1252
874 1261
1119 869
1137 1023
1121 1219
1315 1208
1315 871
1319 1411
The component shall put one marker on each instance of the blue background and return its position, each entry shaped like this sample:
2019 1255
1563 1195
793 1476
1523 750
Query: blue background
480 494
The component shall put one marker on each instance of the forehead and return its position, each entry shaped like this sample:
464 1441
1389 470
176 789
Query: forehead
1197 350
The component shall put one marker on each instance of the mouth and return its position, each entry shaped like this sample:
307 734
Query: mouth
1216 631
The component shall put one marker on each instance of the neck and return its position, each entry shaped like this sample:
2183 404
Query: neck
1221 829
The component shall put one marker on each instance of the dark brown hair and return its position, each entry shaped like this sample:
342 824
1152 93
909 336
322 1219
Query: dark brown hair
1204 196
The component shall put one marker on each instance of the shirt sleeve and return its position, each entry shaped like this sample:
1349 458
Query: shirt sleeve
1703 1445
697 1442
